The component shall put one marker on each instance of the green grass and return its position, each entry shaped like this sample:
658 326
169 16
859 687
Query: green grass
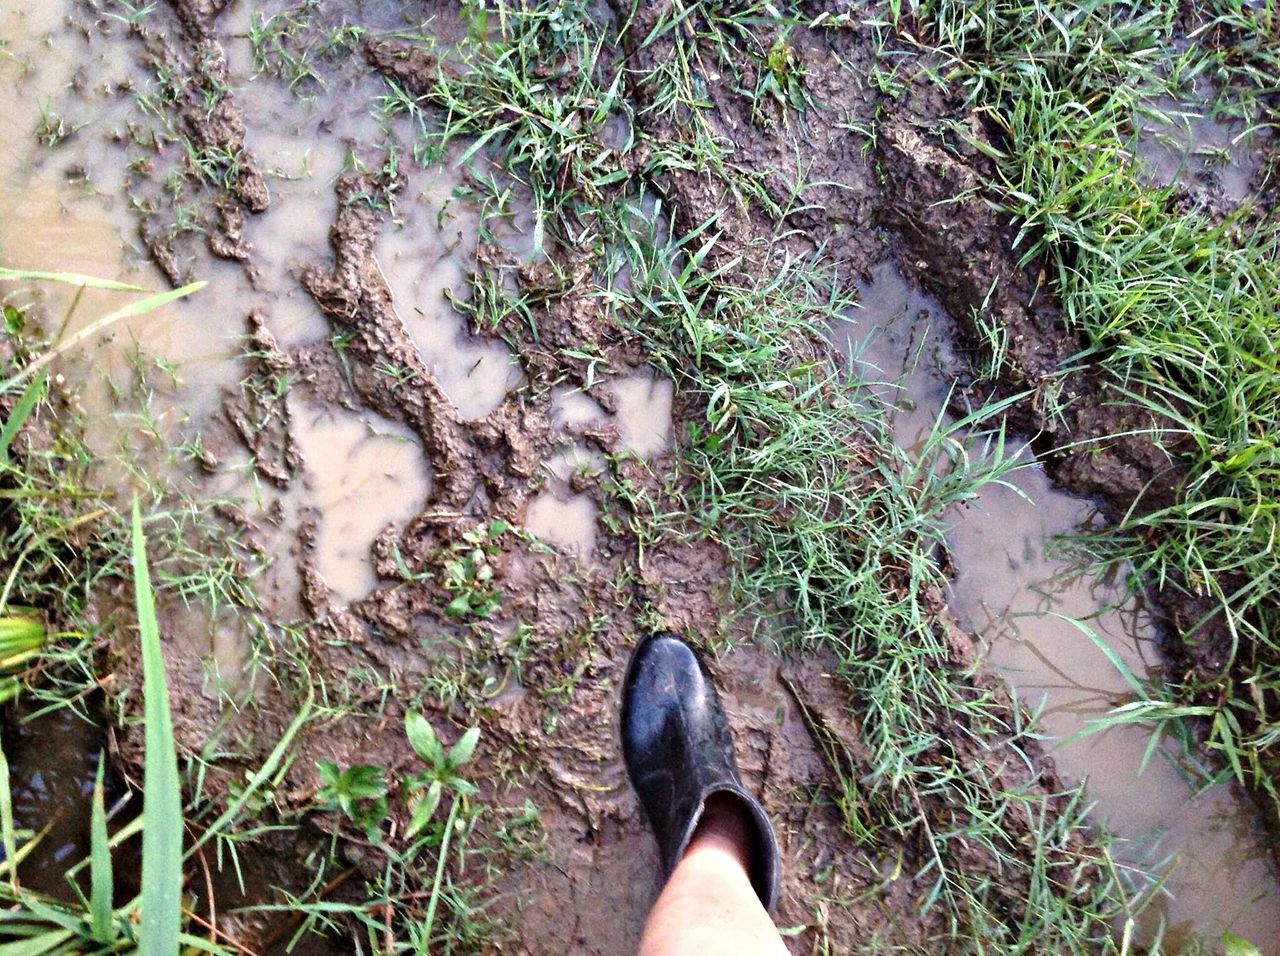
797 475
161 788
1181 309
65 539
36 924
787 463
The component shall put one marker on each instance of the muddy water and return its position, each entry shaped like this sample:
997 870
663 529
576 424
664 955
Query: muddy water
67 209
426 257
1183 142
641 417
361 474
642 413
64 212
1020 595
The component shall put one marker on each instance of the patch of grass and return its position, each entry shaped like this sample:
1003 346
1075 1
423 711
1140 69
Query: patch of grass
532 100
1181 307
787 464
798 476
289 44
36 924
53 128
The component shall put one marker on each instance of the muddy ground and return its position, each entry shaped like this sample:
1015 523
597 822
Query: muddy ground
540 675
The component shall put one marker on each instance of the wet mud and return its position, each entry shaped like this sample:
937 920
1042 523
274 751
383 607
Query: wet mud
360 428
1018 588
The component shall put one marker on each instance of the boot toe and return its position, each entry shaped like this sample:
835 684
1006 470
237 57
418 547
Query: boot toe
664 680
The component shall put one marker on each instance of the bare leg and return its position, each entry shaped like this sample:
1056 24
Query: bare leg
708 907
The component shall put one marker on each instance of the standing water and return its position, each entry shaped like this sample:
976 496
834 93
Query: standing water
1032 609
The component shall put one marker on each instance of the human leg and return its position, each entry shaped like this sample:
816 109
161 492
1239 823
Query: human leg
709 907
716 843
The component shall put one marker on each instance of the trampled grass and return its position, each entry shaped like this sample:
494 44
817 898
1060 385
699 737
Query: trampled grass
1181 307
798 476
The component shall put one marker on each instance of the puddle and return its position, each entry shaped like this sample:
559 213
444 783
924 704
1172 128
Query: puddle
642 416
424 255
54 761
1008 588
900 340
65 211
1009 591
361 474
560 515
572 408
1181 142
643 413
569 523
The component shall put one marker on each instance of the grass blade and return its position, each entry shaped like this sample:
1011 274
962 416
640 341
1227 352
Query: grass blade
161 788
264 773
21 410
70 278
21 637
93 328
1121 667
6 822
101 888
41 945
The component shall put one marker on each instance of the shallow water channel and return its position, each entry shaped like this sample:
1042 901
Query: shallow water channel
1029 604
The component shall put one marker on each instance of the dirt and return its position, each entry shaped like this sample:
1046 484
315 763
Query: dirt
566 451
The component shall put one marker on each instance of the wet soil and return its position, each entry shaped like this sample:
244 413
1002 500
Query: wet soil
1027 599
363 429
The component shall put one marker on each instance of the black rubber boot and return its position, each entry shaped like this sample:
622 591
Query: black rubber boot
679 753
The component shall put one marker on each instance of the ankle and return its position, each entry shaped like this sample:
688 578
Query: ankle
725 830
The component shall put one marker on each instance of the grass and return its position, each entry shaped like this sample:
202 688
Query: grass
1180 307
793 472
161 788
784 464
37 924
291 43
64 543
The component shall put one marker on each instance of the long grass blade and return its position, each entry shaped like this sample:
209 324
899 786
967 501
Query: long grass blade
140 307
70 278
21 411
42 945
1109 652
7 833
264 773
101 884
161 788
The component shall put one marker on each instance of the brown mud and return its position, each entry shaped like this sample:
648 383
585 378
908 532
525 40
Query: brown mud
365 430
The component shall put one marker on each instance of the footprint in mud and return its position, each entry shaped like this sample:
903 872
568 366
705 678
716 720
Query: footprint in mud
361 473
422 268
643 413
566 518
